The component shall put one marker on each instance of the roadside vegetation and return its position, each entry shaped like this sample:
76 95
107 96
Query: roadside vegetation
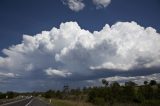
110 94
59 102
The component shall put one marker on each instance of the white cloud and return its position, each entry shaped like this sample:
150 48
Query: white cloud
136 79
123 46
101 3
74 5
54 72
122 79
77 5
29 67
110 65
75 53
7 75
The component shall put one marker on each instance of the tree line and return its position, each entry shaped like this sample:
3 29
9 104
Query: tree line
110 93
147 94
113 93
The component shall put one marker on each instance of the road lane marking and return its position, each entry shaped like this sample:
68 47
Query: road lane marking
14 102
29 102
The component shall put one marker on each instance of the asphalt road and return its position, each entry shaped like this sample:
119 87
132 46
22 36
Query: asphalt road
28 102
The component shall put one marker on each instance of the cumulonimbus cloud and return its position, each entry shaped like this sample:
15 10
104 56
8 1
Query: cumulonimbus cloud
73 52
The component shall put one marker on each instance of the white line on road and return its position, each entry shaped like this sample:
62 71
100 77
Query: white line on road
29 102
13 102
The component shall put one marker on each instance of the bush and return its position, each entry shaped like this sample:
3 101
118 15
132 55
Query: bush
99 101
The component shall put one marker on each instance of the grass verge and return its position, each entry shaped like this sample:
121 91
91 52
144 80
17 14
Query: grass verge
58 102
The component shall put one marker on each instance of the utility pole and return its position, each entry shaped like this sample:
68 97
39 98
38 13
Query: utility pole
65 90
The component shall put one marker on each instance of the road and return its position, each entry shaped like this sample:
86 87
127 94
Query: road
32 101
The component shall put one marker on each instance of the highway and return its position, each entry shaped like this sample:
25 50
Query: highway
32 101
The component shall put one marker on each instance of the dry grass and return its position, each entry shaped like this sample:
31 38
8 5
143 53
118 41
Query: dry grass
58 102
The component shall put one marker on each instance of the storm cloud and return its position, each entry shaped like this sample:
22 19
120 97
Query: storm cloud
70 52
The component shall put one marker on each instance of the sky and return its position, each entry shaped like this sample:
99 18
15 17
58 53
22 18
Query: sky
45 44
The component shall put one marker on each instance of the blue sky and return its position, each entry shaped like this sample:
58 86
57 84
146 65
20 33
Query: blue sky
20 17
30 17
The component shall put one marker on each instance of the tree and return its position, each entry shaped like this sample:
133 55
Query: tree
130 83
10 94
48 94
145 82
58 94
115 84
149 92
105 82
2 95
115 92
129 91
153 82
92 96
